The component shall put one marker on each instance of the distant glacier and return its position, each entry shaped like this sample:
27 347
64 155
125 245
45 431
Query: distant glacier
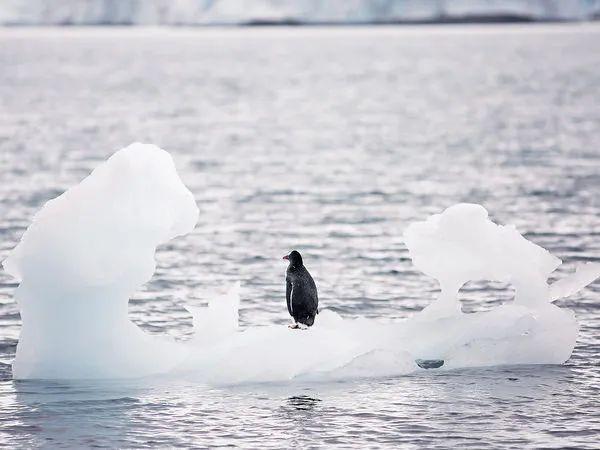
235 12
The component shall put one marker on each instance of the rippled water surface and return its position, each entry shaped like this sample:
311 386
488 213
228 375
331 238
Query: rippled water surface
329 141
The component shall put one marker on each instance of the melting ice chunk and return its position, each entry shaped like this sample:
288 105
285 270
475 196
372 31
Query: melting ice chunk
84 255
463 244
89 249
584 275
218 319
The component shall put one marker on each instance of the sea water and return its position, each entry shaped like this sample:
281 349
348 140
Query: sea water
331 141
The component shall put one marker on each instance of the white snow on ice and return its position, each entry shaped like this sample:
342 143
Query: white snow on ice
89 249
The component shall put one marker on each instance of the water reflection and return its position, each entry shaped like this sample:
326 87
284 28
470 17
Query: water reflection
303 418
72 413
303 402
460 405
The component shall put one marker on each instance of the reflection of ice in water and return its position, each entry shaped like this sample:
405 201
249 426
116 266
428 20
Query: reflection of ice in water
89 249
108 412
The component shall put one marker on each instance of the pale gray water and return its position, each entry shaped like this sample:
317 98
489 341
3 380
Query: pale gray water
330 141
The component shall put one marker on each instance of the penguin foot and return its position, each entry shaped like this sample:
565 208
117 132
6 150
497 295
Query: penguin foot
294 326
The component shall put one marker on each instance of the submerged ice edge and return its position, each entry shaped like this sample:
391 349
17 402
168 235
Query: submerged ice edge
88 250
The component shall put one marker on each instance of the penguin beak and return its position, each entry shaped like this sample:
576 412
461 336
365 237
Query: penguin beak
286 257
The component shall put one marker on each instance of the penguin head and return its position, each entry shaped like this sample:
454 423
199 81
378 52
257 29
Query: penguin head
294 258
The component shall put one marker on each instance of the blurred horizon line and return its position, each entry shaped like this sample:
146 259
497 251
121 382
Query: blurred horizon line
201 13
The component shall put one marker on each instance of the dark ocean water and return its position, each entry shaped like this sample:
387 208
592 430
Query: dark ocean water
330 141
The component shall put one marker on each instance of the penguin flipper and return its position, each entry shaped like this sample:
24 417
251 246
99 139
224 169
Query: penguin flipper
288 296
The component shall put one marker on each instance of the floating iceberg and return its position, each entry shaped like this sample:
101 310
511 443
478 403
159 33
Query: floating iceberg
462 244
81 259
89 249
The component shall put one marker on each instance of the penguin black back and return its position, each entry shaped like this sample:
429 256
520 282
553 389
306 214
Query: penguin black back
301 291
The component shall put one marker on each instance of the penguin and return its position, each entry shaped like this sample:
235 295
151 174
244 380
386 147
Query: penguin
300 292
